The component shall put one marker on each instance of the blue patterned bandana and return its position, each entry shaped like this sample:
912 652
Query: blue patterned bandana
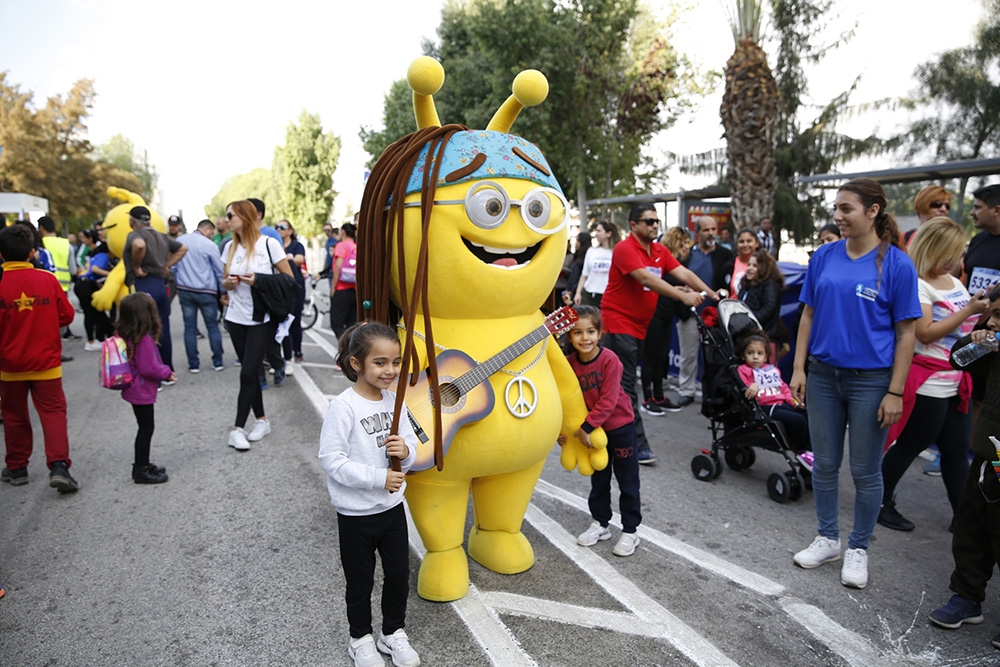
501 160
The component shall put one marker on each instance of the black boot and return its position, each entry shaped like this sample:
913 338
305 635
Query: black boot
146 474
890 517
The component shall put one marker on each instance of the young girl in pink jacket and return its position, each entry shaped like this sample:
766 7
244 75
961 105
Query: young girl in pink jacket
139 324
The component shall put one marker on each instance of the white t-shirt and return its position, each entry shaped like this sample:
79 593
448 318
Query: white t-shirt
266 253
943 303
596 265
351 451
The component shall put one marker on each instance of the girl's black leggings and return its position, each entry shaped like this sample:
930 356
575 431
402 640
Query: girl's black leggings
143 438
251 345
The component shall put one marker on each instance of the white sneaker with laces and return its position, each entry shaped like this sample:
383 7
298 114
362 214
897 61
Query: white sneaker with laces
592 535
289 368
626 544
854 573
822 550
92 347
397 645
261 428
364 653
238 440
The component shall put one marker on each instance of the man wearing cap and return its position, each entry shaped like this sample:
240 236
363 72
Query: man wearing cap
175 229
148 256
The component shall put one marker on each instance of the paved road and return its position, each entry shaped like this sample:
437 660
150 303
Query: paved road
234 561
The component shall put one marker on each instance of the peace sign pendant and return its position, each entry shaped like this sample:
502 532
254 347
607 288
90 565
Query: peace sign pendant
521 397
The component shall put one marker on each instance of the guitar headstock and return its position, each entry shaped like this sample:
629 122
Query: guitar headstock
561 321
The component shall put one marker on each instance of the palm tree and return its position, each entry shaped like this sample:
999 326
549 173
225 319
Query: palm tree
749 113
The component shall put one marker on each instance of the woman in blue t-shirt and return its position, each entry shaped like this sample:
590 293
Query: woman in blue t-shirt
857 333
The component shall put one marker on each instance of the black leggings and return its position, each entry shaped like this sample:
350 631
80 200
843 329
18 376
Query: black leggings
360 538
143 438
251 343
932 420
343 310
96 324
656 351
292 343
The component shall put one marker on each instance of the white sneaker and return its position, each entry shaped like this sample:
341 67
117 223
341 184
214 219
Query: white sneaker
854 573
822 550
626 544
238 440
289 369
590 537
364 653
261 428
92 347
397 645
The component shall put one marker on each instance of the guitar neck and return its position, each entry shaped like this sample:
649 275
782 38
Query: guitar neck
483 371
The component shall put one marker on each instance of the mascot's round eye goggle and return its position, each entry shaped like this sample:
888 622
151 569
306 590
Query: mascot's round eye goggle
488 206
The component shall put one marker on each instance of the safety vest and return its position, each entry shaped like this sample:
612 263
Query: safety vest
59 249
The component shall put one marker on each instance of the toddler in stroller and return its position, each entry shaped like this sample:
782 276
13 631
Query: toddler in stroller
764 385
739 422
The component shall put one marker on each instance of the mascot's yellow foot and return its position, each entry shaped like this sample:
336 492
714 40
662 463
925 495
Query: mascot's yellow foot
444 576
506 553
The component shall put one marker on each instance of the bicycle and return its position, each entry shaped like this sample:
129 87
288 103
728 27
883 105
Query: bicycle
317 303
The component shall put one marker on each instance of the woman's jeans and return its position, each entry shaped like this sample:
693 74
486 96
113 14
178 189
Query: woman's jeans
838 397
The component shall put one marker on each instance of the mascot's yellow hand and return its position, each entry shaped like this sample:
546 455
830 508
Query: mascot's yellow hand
585 459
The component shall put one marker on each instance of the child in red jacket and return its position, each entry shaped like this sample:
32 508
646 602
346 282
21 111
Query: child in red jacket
33 308
600 373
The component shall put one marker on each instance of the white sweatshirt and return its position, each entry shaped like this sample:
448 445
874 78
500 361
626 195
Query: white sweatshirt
352 453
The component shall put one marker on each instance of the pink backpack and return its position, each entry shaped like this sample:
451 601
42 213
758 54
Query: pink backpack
115 370
349 268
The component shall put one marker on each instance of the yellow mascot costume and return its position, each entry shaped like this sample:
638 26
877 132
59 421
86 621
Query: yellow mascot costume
462 236
116 230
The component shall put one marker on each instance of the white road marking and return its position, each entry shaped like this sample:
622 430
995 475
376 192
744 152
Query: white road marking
676 632
702 559
319 400
850 646
312 364
322 342
482 619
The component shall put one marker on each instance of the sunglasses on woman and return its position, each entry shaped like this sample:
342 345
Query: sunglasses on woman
281 227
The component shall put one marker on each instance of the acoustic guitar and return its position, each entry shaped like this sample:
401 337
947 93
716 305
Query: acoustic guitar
465 395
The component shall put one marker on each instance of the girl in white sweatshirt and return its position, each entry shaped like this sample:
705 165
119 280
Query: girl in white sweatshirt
355 445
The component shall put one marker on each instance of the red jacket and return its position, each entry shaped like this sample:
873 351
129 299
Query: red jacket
33 307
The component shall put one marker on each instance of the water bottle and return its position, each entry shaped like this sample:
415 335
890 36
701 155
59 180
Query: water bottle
966 355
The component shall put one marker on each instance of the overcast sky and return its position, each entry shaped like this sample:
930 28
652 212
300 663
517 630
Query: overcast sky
208 87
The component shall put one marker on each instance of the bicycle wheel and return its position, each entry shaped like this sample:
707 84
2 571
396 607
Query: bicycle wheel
309 316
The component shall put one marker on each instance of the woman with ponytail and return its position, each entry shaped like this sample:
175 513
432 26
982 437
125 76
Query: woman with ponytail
857 335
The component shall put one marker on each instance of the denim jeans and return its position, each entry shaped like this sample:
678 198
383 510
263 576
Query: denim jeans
838 397
191 304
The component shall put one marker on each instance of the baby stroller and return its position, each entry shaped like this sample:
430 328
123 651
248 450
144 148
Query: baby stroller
739 424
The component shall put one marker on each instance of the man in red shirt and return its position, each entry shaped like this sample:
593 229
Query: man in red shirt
634 283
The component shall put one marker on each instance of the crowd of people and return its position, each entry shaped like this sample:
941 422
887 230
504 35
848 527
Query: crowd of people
882 318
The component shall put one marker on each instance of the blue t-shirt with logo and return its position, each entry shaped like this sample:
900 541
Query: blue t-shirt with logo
855 316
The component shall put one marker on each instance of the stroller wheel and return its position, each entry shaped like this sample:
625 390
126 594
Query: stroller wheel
739 457
751 456
718 465
703 467
778 487
795 486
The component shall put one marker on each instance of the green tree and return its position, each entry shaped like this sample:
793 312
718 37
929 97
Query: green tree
614 81
257 183
119 151
960 92
45 152
303 174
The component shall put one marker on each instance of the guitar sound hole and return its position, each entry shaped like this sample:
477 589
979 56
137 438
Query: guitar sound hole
450 395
